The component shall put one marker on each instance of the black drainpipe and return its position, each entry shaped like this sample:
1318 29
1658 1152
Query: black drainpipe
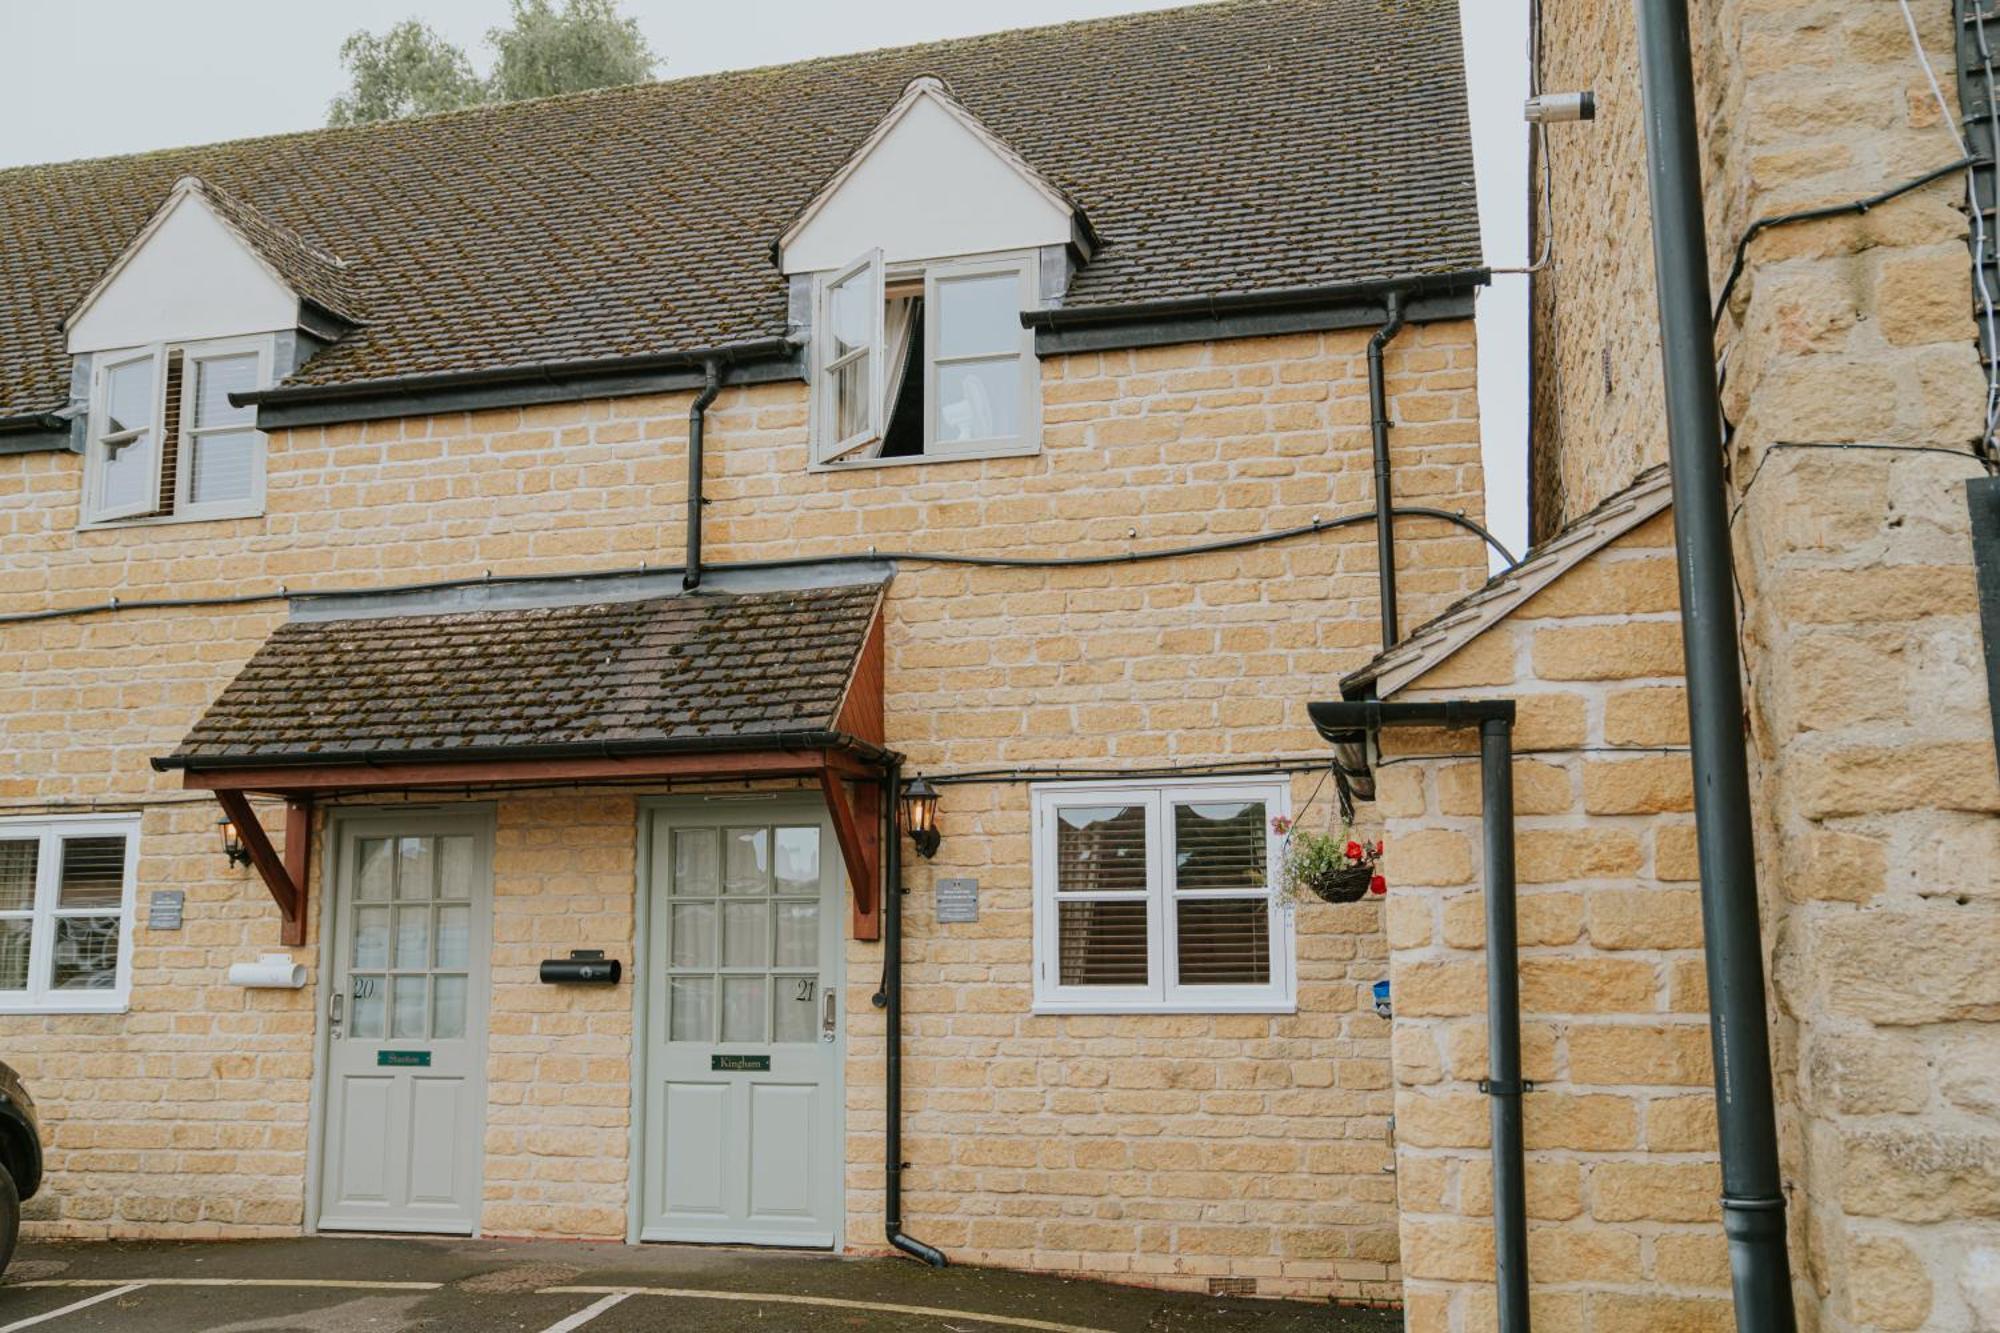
1378 424
890 1000
697 414
1351 721
1753 1200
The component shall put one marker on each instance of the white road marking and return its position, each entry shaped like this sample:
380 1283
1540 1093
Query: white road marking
586 1314
71 1308
831 1302
341 1283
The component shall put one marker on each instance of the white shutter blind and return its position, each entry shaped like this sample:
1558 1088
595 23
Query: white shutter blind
1101 850
1220 849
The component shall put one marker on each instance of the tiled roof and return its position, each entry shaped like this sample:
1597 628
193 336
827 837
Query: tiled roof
1472 615
660 674
1218 149
309 271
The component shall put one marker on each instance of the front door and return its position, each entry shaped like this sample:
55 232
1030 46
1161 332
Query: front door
406 1024
743 1078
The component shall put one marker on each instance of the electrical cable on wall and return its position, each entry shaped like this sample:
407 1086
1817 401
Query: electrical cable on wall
1946 119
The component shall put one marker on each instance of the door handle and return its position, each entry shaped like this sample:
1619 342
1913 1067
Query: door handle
826 1028
334 1007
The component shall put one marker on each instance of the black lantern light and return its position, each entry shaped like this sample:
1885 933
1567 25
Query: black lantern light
919 803
232 843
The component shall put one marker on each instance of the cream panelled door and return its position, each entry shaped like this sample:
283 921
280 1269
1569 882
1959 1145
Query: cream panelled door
406 1024
743 1076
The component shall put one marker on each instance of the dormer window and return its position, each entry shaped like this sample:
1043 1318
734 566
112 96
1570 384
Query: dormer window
925 360
165 442
917 349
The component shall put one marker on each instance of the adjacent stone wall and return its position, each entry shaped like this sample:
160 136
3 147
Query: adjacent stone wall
1259 1156
1622 1184
1873 765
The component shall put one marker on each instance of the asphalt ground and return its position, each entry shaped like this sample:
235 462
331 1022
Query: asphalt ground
385 1284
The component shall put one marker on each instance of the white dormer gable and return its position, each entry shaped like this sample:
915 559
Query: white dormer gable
187 276
929 182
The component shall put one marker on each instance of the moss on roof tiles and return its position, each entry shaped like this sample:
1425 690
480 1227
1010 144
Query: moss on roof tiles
1235 147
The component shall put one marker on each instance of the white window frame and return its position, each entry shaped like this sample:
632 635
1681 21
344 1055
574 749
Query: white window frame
826 409
53 830
92 512
829 454
103 441
1163 994
192 355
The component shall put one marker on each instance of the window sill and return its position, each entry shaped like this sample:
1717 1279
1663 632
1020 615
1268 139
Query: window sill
1280 1007
164 520
1026 449
120 1005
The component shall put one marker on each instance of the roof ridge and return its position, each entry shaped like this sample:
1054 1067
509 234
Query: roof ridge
1132 18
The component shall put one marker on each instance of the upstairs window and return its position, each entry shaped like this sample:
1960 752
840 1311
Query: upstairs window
925 361
1160 896
165 442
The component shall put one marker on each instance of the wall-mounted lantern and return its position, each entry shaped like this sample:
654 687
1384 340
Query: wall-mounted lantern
919 803
232 843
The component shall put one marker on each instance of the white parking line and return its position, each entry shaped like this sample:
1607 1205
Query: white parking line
343 1283
831 1302
71 1308
586 1314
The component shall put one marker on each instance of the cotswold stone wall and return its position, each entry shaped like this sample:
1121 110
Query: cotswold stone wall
1624 1230
1160 1149
1872 753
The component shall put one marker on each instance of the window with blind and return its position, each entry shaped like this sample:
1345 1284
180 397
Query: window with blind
165 441
66 913
1160 896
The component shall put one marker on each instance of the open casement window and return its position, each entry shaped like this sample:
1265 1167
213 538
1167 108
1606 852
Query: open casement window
1162 897
166 443
850 323
955 368
125 431
66 888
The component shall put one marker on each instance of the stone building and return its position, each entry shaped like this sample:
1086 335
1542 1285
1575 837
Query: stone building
1856 408
550 528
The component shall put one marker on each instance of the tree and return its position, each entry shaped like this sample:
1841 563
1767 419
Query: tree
587 45
407 71
411 71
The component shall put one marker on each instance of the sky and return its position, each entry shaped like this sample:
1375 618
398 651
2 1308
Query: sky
163 75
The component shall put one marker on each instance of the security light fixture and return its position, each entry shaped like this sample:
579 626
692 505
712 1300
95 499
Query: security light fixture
1548 108
232 843
918 804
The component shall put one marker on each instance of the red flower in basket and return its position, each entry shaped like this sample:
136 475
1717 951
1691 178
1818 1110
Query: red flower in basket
1378 885
1354 851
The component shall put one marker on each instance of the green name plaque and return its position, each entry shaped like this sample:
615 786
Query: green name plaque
740 1063
404 1059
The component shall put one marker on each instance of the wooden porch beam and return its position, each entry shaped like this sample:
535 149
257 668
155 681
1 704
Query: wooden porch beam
264 858
298 864
860 851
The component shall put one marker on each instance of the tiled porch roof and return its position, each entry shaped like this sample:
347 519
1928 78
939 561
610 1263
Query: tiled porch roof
665 674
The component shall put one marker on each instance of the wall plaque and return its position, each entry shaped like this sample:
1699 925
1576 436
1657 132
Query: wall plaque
163 909
957 900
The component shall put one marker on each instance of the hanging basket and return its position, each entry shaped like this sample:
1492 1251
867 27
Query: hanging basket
1348 884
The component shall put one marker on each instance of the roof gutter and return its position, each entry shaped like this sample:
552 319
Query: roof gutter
27 421
1223 304
294 404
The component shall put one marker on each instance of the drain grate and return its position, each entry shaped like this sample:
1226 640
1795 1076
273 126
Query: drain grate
1232 1286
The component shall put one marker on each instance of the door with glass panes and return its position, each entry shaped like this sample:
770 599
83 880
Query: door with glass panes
742 1132
406 1024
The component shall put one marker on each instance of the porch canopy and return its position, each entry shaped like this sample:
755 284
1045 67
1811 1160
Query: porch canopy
751 684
